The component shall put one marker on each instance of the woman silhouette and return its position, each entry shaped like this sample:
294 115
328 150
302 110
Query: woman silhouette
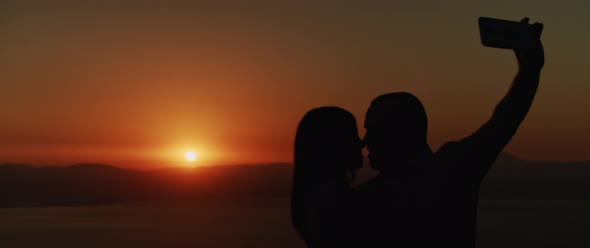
327 152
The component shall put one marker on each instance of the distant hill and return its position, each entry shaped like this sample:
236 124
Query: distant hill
82 184
24 185
90 184
514 178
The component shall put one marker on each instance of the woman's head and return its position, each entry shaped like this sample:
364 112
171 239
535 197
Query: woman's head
327 142
326 147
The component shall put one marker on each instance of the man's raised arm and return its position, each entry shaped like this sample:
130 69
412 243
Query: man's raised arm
481 149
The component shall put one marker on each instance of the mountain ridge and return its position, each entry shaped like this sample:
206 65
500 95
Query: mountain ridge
23 185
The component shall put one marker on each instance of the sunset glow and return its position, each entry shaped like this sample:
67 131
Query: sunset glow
190 156
147 88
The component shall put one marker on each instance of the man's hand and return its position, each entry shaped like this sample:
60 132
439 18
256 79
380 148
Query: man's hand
529 49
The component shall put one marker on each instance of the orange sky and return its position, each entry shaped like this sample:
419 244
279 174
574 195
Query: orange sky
139 86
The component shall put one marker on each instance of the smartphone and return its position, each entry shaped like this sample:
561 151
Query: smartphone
500 33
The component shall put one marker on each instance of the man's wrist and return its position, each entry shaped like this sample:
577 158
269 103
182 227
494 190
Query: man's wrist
530 69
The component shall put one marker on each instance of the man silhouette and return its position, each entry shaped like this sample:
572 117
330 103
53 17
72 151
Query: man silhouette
420 197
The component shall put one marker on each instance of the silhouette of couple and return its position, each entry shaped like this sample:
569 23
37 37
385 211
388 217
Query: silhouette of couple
420 198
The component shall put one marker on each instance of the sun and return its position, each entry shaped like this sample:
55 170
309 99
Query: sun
190 156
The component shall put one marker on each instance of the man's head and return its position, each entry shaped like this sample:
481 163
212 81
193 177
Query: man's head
396 126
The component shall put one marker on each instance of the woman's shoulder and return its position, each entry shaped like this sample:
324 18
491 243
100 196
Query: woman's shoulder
333 187
340 196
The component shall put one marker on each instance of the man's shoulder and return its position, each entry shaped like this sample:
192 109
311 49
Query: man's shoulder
449 149
449 146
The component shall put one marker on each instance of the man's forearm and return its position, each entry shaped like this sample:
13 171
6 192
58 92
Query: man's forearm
516 104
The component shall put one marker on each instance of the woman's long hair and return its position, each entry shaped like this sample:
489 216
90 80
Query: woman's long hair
326 147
